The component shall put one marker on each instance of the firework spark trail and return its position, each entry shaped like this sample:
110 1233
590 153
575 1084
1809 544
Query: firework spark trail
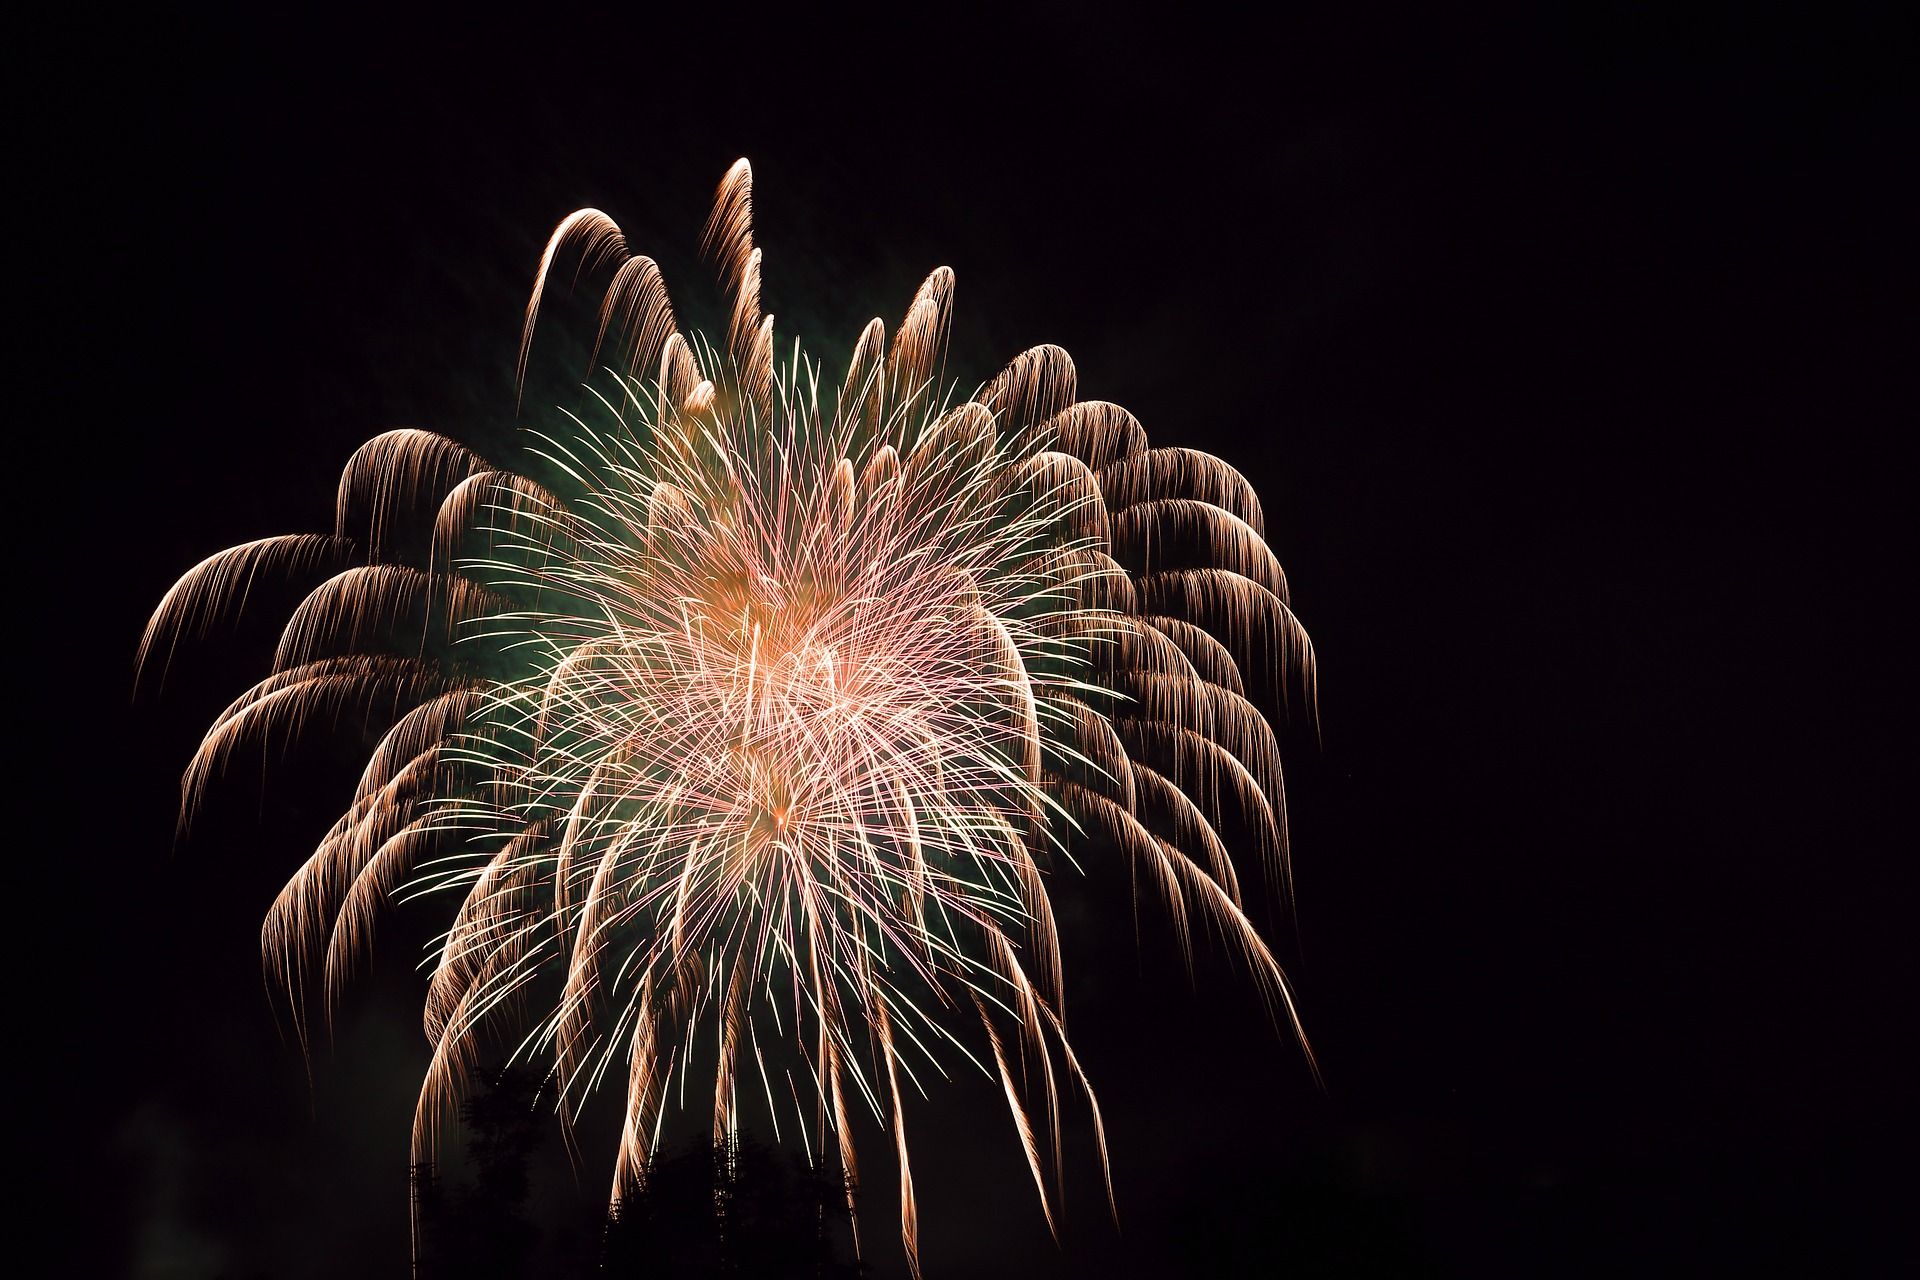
761 716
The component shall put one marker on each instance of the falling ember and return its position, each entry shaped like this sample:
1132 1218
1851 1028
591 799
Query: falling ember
769 717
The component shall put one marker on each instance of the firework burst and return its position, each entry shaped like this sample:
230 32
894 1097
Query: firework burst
764 722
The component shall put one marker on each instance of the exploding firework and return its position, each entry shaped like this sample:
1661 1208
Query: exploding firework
767 721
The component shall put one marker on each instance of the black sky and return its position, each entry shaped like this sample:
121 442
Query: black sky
1558 348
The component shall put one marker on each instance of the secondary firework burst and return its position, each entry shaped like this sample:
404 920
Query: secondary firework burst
753 739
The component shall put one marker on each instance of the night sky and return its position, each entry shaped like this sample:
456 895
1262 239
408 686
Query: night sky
1559 353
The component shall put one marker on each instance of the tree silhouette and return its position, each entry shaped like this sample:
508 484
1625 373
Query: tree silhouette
739 1208
735 1208
482 1230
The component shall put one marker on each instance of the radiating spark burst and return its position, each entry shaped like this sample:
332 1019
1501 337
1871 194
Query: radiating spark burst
755 734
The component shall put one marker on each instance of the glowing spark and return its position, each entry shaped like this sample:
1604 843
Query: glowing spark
763 711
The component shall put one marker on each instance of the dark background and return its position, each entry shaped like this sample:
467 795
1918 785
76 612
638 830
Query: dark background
1559 349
